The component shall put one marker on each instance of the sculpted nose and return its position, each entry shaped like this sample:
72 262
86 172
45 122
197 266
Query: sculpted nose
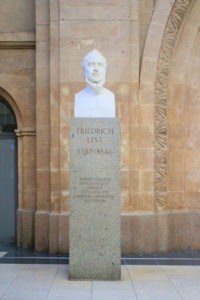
96 67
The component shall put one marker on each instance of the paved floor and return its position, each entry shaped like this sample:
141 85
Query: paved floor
142 282
28 275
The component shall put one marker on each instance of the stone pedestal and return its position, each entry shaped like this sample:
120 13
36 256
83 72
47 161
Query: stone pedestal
95 248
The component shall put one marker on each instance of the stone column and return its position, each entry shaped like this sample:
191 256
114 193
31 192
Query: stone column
95 189
26 187
42 126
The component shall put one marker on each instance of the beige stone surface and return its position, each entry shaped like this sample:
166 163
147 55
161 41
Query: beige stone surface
40 84
184 118
53 233
42 221
145 14
17 15
19 36
63 241
41 230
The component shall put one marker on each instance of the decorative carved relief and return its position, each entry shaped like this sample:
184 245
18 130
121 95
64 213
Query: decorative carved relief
161 140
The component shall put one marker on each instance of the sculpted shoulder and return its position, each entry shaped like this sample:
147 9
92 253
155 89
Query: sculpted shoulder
88 91
108 92
80 93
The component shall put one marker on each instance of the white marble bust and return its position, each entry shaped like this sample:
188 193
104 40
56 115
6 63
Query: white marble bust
94 101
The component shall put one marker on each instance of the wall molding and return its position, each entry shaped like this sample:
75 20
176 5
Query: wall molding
25 131
17 44
161 93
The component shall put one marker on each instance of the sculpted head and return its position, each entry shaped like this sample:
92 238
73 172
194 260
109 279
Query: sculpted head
94 68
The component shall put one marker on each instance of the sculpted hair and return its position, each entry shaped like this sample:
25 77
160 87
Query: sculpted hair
91 55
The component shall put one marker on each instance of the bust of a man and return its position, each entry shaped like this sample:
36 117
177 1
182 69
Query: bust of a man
94 101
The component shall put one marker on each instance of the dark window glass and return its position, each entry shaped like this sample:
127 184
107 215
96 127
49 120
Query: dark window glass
7 117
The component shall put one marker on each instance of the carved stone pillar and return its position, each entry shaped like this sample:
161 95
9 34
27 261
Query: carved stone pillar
26 187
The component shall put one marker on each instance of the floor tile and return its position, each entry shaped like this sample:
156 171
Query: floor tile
155 290
139 282
114 295
32 282
63 288
35 277
8 274
181 272
66 284
25 293
189 289
123 284
61 280
146 273
3 287
69 294
10 270
62 272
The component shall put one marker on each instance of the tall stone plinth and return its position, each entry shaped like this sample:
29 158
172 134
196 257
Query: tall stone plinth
95 248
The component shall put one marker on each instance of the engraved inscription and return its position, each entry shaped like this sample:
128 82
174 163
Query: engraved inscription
95 131
95 189
95 151
93 137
